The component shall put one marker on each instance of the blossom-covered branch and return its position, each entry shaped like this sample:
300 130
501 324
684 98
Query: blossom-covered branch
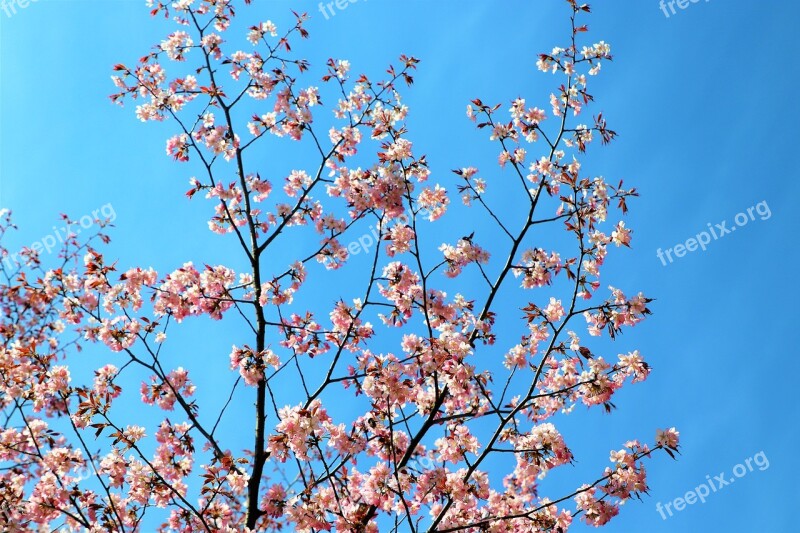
426 348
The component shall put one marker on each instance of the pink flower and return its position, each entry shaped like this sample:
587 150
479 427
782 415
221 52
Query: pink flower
554 310
400 237
178 147
163 393
435 201
103 381
596 512
462 254
257 32
668 438
296 425
176 45
133 434
621 235
251 365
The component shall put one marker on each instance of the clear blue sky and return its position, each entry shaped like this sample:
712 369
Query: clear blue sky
704 103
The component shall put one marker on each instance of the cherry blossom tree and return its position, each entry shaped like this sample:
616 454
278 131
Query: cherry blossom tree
423 400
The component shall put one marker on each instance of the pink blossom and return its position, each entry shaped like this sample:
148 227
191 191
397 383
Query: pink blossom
554 310
667 437
462 254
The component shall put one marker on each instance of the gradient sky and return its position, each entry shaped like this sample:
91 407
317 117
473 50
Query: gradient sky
704 103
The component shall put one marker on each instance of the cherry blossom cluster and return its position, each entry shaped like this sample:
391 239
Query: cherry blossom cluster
252 366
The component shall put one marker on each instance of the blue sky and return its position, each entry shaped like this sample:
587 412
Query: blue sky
703 101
